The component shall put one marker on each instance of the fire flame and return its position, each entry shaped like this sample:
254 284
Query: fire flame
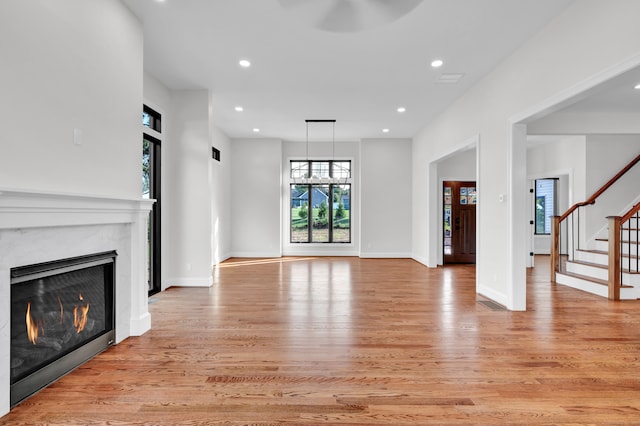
35 327
61 310
32 326
80 316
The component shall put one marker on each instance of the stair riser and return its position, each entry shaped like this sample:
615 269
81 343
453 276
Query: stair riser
586 256
603 259
589 271
600 273
626 248
583 285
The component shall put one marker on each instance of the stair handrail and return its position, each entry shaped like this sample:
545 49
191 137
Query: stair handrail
635 209
593 198
557 220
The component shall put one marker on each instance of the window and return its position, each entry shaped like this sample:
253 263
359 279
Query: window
151 150
545 205
151 119
320 202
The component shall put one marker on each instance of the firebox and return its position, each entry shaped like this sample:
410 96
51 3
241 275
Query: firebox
62 315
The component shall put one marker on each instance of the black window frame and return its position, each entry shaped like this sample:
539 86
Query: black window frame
309 188
155 118
535 208
155 215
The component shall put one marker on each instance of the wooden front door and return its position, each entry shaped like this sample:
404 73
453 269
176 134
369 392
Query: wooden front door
459 213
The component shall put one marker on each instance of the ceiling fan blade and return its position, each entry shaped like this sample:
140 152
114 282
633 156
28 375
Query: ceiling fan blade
342 17
393 9
310 11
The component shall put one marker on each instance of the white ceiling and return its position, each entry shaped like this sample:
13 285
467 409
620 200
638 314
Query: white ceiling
318 61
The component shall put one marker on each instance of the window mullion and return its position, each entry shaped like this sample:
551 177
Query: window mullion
330 210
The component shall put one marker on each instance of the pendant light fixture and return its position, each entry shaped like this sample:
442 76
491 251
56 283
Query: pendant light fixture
302 178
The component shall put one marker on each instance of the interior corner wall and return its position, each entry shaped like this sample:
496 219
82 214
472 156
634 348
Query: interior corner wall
561 56
256 193
186 203
72 65
385 198
220 189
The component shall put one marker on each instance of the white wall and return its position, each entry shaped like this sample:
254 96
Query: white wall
70 65
256 190
460 166
568 52
606 155
186 202
188 110
321 150
562 157
385 198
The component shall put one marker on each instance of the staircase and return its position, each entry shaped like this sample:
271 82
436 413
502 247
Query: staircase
607 264
589 268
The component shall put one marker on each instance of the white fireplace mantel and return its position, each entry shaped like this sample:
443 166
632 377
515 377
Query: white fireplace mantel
38 227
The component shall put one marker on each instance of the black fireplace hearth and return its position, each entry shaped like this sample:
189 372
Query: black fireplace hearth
62 314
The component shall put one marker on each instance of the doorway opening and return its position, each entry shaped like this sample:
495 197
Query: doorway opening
459 221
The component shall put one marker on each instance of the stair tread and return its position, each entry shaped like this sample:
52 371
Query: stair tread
591 279
601 252
595 265
601 266
606 240
593 251
585 277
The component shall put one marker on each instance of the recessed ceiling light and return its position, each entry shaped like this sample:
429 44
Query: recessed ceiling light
256 130
244 63
385 130
637 86
437 63
401 109
239 109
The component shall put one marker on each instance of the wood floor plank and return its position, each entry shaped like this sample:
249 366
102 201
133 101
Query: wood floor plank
362 342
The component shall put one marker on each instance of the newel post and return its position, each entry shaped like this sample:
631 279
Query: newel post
555 246
614 257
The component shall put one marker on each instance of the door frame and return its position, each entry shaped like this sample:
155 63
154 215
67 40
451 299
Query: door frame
155 215
158 248
435 200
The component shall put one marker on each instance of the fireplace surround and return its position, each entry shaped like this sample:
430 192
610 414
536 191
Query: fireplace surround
40 227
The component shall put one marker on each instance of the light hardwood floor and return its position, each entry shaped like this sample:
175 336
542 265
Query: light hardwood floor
359 341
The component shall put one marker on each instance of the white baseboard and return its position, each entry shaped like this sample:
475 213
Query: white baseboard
255 254
320 253
139 326
382 255
189 282
490 293
422 260
223 258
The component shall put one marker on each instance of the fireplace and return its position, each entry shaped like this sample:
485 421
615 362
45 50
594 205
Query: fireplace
62 314
38 227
